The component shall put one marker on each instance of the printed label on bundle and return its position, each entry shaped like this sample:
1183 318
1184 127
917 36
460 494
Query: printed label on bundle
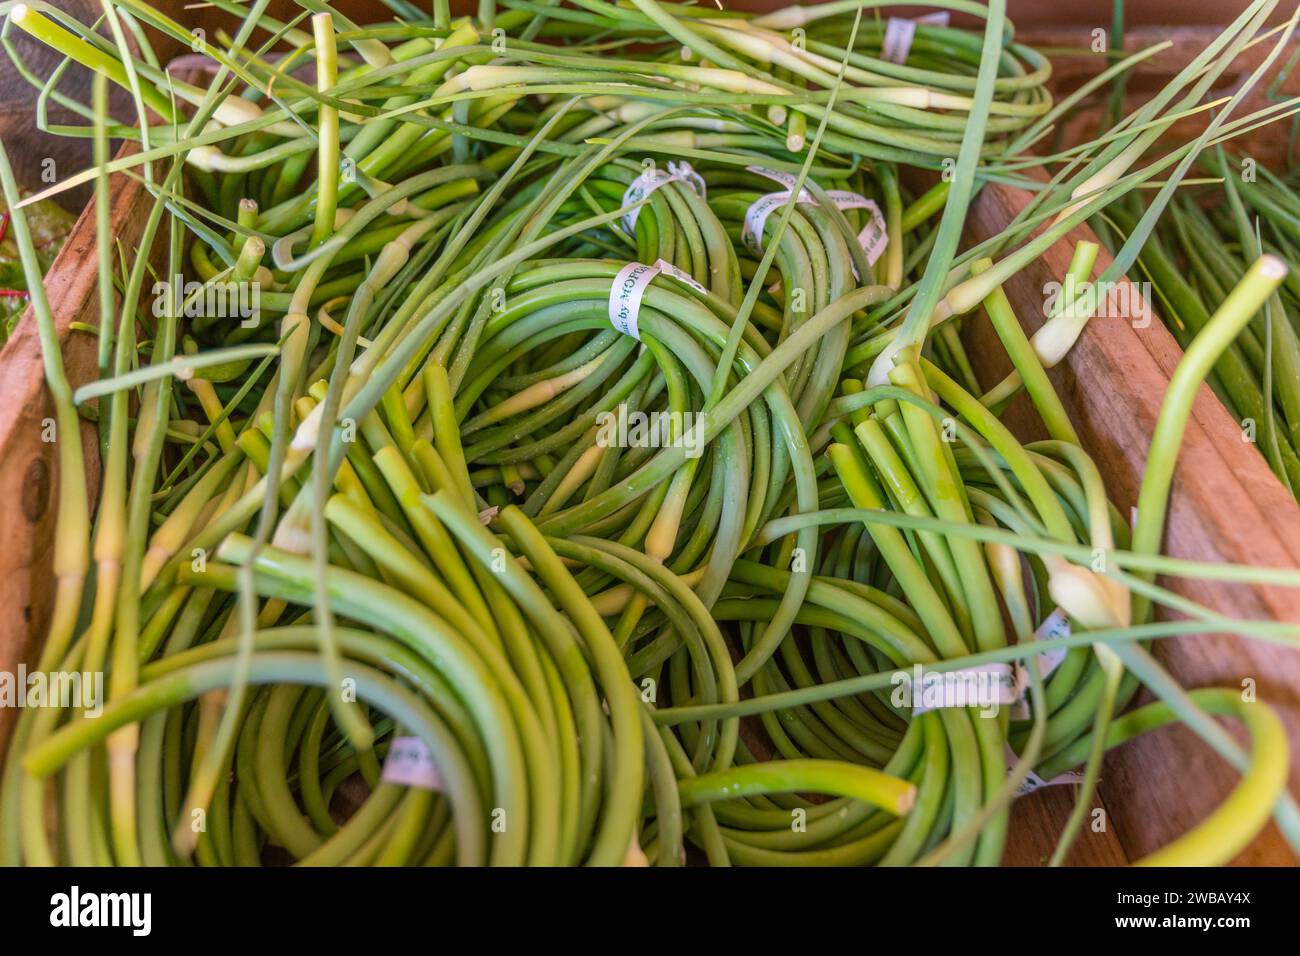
654 178
410 764
987 687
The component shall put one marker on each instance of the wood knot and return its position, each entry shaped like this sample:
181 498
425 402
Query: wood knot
36 490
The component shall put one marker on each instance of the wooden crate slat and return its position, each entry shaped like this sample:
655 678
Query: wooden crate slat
1226 506
28 464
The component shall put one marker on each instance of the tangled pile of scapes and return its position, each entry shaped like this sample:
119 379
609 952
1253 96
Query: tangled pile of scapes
390 517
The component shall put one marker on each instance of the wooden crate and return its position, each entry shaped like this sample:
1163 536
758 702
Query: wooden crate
29 474
1075 63
1225 506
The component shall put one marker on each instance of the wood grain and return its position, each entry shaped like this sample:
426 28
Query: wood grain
1226 506
1074 63
1036 823
29 477
40 158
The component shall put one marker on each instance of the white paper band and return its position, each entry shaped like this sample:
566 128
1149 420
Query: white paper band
685 278
785 179
983 686
629 286
989 685
842 199
898 39
751 233
1054 627
652 179
410 764
899 34
873 238
625 296
1035 782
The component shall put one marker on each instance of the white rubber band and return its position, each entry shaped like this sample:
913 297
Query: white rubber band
654 178
409 763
